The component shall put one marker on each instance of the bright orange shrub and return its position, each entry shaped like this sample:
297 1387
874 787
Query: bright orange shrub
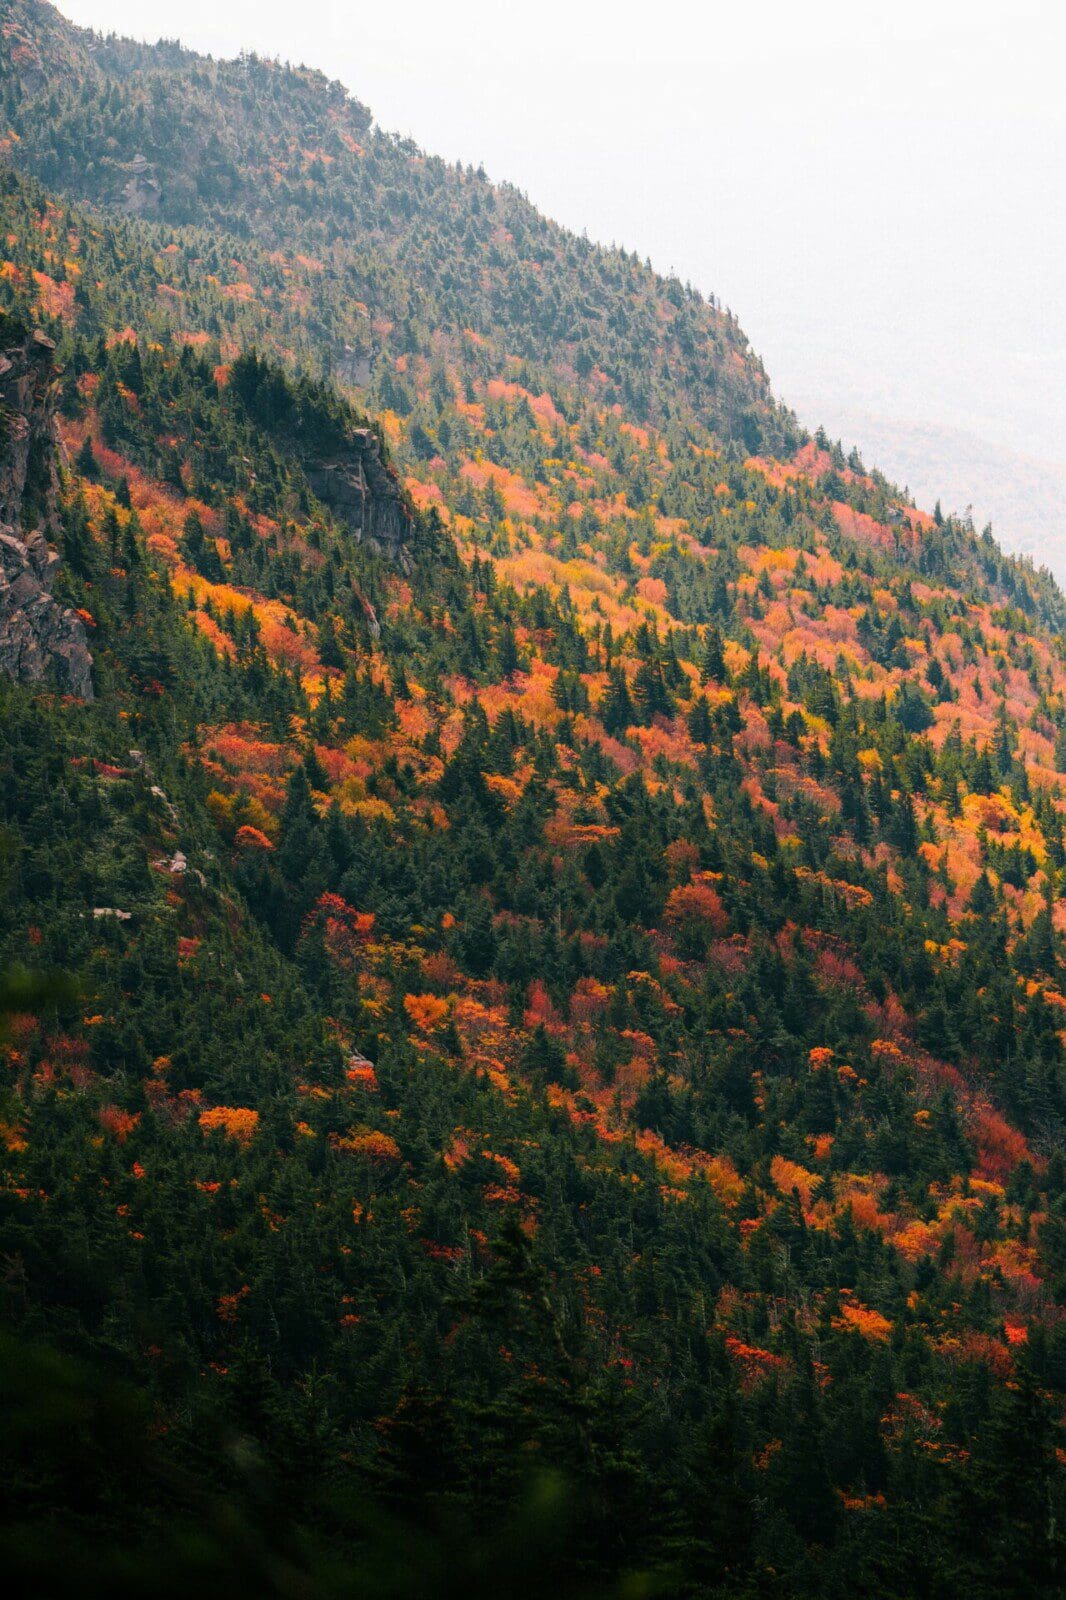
427 1011
236 1122
699 902
370 1143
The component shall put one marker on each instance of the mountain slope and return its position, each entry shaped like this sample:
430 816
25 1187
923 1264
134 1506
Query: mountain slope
961 469
411 253
534 1005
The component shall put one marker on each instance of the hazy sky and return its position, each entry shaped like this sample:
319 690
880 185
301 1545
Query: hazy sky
877 192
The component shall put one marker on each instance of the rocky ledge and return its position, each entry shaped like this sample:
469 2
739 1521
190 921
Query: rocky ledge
362 490
41 641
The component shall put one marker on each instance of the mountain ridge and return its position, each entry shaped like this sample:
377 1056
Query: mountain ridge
207 178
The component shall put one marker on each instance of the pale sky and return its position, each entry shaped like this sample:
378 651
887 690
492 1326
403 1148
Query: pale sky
878 193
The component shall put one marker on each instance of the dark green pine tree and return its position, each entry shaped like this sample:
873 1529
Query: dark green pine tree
617 711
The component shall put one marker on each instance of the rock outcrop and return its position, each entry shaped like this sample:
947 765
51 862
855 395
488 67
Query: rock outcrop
141 192
41 641
365 493
28 478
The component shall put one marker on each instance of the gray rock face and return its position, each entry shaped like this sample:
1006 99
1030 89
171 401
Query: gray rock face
142 193
41 641
353 366
27 429
365 493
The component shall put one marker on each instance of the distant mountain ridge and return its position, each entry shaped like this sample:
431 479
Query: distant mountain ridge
1023 497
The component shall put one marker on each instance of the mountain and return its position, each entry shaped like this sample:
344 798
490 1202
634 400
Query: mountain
989 482
532 1012
402 250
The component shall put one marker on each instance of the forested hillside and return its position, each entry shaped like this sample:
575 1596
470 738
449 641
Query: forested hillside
533 1017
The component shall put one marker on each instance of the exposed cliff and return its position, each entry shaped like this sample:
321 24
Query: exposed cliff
343 460
141 193
27 436
361 488
40 639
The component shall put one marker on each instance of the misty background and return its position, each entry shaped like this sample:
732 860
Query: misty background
878 197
